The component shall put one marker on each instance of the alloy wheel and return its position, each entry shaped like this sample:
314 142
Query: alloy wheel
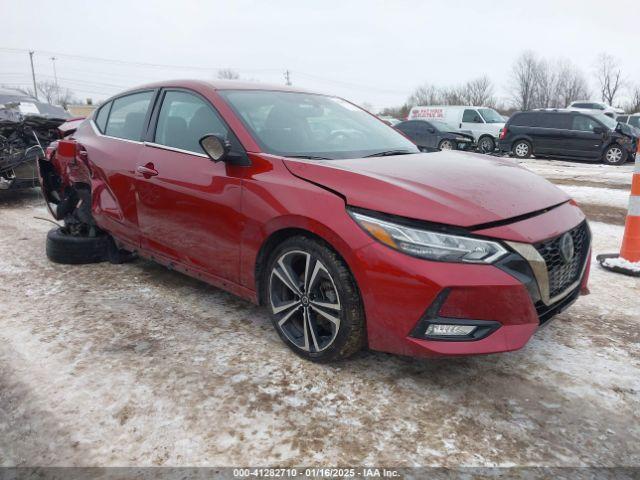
446 145
304 301
614 155
522 150
486 145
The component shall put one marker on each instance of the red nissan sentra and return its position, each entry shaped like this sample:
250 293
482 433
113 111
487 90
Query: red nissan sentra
334 221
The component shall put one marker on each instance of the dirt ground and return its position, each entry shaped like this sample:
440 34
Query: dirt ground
133 364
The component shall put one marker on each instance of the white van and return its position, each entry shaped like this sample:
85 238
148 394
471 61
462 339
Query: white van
482 122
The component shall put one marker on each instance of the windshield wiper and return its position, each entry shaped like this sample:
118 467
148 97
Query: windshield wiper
389 153
309 157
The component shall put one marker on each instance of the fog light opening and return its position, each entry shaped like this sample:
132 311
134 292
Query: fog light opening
449 330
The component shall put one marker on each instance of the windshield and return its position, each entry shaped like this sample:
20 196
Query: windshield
301 124
607 121
490 115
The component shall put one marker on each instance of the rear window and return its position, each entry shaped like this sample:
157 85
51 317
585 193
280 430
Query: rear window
101 117
126 119
623 118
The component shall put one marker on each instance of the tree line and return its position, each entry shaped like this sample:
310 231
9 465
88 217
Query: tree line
534 82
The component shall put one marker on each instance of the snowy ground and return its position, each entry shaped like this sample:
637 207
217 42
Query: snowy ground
136 365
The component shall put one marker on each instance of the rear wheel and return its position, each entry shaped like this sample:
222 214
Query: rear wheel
521 149
315 304
446 145
615 155
75 250
486 145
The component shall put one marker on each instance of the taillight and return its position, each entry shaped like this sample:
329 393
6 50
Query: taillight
503 133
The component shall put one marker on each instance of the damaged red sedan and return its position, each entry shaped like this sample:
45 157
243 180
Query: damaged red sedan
306 204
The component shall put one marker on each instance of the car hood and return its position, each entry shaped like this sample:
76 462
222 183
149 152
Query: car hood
453 188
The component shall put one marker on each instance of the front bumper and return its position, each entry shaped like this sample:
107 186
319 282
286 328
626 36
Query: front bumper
403 294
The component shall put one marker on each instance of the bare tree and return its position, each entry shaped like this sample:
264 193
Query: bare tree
633 106
609 76
478 92
228 74
425 95
524 81
51 93
571 85
546 86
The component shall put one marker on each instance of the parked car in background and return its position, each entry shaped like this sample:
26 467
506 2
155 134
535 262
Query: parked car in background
633 120
391 121
27 126
586 106
568 134
434 135
333 220
483 123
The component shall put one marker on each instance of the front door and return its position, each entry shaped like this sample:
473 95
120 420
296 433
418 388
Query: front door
188 205
584 141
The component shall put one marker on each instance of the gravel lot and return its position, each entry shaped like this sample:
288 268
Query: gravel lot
116 365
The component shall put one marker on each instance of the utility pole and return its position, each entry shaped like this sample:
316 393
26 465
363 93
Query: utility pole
33 74
287 77
55 74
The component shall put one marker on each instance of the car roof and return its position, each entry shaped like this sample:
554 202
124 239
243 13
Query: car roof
216 85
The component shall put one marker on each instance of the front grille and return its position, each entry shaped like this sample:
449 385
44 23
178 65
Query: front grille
562 274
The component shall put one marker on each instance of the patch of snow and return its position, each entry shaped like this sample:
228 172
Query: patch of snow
601 196
622 263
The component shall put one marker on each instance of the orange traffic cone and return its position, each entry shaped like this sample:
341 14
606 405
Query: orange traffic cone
628 262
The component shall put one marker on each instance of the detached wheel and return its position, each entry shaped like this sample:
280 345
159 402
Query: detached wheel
314 301
446 145
74 250
615 155
486 145
521 149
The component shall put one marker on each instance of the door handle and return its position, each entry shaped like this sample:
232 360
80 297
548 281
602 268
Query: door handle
147 171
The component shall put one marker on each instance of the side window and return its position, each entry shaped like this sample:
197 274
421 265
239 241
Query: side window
126 119
405 127
526 120
584 123
184 119
556 120
634 121
471 116
582 105
102 115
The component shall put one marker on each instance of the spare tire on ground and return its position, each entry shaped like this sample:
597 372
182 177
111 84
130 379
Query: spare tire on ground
75 250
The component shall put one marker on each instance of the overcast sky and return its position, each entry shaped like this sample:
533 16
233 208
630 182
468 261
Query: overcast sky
366 50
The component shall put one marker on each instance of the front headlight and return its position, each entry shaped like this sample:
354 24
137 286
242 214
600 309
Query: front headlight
430 245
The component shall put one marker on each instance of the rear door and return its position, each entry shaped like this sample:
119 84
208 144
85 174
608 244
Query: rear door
113 151
553 134
584 141
188 205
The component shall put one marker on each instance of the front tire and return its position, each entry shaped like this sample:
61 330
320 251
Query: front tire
615 155
446 145
314 301
521 149
486 145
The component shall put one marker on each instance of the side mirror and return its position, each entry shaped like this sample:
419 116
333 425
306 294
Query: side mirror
477 119
598 130
215 147
432 130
